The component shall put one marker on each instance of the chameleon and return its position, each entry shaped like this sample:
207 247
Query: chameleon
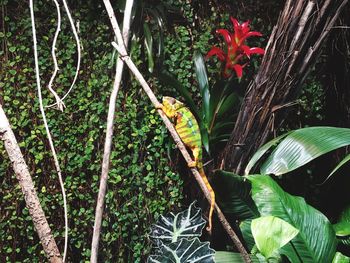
188 130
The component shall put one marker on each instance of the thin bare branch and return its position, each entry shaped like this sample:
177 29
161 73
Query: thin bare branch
184 152
109 137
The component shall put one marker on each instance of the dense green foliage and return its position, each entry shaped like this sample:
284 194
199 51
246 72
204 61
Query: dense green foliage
142 184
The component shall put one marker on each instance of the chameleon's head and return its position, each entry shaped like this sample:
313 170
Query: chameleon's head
172 104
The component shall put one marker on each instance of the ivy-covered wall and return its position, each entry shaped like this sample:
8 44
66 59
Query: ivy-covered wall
142 182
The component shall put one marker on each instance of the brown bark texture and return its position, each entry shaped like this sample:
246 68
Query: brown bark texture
294 45
32 201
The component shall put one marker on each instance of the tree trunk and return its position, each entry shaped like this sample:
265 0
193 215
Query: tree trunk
294 45
32 201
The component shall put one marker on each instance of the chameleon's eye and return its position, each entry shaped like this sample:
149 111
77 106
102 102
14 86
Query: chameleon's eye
172 101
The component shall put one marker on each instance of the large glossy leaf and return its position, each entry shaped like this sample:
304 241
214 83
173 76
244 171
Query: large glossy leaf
271 233
246 230
340 258
203 83
316 240
171 228
261 151
184 251
233 195
342 227
302 146
232 257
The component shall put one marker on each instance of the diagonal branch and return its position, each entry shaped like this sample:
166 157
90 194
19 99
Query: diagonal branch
108 140
183 150
31 198
124 56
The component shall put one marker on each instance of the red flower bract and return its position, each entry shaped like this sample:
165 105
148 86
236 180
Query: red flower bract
236 47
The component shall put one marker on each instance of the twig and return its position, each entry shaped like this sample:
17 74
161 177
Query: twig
109 136
30 196
59 102
52 147
75 33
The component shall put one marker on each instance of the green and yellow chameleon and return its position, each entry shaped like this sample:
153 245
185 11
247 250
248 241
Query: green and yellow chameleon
187 127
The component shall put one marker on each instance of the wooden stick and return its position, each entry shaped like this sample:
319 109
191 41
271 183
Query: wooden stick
184 152
108 140
124 56
31 198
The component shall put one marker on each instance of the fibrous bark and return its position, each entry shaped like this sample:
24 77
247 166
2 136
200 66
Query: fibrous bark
32 201
294 45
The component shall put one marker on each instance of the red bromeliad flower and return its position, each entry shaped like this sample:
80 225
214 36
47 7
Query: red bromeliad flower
236 48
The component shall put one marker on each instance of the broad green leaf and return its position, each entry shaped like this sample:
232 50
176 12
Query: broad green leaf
171 228
203 83
233 195
302 146
261 151
340 258
184 251
316 241
149 46
232 257
342 229
271 233
245 227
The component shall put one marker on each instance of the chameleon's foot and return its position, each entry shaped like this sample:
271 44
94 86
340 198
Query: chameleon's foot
159 106
192 164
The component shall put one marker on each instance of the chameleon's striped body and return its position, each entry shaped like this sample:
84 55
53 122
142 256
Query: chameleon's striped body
187 127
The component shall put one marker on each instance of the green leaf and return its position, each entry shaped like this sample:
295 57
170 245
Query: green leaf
232 257
245 227
340 258
228 104
184 251
203 83
233 195
261 151
316 240
302 146
271 233
171 228
149 46
342 229
160 51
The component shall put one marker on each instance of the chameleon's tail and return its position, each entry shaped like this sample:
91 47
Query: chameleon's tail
211 192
